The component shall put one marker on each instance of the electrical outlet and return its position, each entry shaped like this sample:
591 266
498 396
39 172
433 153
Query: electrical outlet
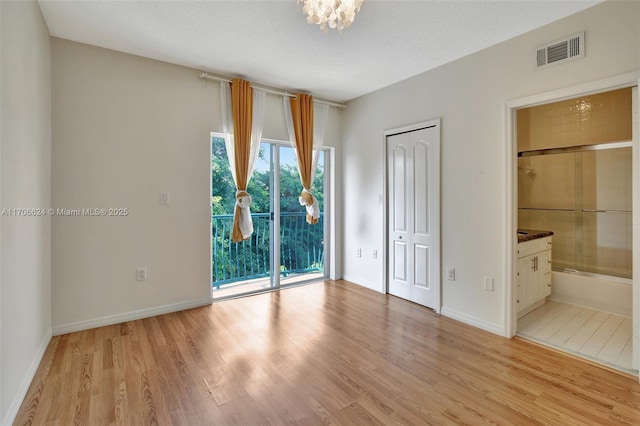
451 274
488 283
141 274
375 254
164 198
359 253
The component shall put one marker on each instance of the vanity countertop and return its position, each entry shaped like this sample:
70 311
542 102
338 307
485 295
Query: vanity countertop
532 234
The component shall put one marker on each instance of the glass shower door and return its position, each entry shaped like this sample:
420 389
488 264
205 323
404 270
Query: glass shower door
547 201
585 199
606 212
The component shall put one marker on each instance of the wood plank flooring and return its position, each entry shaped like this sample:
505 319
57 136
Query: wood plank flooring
598 336
331 353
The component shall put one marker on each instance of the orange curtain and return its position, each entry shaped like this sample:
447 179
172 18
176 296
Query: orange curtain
242 108
302 117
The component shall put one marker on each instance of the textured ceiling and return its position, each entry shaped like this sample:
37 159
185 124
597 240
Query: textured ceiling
269 42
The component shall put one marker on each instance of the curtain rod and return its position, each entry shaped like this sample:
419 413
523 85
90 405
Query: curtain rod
207 76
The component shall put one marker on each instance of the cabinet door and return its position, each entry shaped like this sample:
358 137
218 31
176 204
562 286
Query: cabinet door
534 273
543 280
546 289
545 261
527 289
520 267
538 282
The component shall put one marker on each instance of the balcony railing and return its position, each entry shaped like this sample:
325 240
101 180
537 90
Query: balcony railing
301 248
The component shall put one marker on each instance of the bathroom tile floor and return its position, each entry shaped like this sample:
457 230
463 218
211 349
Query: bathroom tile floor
599 336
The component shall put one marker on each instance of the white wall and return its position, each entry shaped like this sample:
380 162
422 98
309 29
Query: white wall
25 152
469 95
125 129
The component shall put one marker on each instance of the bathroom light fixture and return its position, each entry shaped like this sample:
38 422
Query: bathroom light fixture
331 13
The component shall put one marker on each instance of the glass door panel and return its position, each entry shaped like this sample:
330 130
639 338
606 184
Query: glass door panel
301 244
585 198
607 219
244 266
547 182
547 200
563 225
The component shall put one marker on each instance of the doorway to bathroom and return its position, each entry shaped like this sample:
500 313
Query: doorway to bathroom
574 178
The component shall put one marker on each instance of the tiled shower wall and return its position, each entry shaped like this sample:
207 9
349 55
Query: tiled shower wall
587 120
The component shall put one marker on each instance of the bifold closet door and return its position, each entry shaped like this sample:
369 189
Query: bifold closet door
413 215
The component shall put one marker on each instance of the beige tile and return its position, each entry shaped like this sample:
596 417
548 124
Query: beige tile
599 336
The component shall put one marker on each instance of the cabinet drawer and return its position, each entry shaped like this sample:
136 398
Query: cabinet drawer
534 246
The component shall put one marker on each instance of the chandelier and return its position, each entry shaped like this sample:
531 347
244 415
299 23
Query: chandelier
331 13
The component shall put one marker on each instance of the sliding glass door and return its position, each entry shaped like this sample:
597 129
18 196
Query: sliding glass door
301 245
283 249
585 198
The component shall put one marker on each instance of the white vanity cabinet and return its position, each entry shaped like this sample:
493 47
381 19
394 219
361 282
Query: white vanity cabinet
533 274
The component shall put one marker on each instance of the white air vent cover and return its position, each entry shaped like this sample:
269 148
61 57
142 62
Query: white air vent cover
559 51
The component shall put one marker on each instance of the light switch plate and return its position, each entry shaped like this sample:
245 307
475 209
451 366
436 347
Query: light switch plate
451 274
488 283
141 274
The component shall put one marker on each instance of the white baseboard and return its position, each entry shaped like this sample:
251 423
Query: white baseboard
364 283
128 316
468 319
12 412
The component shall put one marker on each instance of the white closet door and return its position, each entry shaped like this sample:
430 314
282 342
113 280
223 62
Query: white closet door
413 215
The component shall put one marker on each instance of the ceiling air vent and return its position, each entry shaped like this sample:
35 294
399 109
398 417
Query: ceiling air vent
559 51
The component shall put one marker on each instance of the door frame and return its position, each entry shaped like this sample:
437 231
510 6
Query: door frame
511 193
384 198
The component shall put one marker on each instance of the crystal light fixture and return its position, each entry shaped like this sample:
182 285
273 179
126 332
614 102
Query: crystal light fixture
331 13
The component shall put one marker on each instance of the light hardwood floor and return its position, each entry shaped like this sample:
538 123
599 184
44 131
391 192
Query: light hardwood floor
326 353
595 335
